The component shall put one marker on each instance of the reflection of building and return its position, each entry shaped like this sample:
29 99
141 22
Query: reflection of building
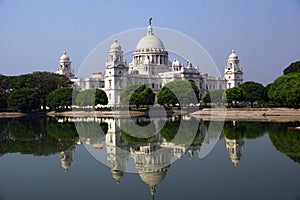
66 157
151 66
235 150
152 160
117 153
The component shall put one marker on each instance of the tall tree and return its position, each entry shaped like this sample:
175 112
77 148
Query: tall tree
254 92
60 99
4 90
214 96
42 82
24 100
235 94
180 92
91 97
137 94
292 68
286 89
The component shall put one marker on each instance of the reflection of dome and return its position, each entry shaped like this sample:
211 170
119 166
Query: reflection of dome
233 55
150 41
65 57
115 46
117 175
154 178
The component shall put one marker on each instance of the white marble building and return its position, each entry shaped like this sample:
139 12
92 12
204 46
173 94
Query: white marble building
151 66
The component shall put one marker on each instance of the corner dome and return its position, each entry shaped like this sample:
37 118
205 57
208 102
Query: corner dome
115 45
65 57
233 55
150 41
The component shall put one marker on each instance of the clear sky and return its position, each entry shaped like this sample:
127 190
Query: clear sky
264 33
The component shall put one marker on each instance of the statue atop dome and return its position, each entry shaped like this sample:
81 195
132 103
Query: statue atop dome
150 19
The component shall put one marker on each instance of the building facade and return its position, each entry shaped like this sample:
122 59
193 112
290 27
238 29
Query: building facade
151 66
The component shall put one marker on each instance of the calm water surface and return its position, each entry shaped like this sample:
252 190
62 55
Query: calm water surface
42 158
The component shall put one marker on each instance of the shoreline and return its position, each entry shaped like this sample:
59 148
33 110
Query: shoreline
249 114
227 114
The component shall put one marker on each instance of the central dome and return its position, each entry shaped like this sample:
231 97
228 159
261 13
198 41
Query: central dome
150 41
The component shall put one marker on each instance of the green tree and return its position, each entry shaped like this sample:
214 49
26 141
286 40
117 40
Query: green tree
254 92
60 98
100 97
180 92
91 97
286 89
214 96
42 82
234 94
292 68
4 90
136 94
24 100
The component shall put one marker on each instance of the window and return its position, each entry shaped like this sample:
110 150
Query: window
153 85
109 96
109 83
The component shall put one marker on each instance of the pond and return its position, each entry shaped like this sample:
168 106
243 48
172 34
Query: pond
44 158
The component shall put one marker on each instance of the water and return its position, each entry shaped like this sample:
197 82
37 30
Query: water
43 159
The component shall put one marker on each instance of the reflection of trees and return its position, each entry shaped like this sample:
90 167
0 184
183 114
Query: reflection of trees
134 133
92 130
134 140
285 141
139 131
170 131
24 129
62 131
30 136
240 130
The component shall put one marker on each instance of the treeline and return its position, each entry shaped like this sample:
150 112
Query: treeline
39 91
29 92
284 91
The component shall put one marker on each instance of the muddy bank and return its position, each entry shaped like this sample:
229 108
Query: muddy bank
250 114
11 114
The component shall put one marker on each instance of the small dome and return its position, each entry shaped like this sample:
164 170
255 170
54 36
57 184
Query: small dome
65 57
115 46
176 63
233 55
150 41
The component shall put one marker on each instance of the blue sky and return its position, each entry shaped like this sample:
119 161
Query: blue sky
265 34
